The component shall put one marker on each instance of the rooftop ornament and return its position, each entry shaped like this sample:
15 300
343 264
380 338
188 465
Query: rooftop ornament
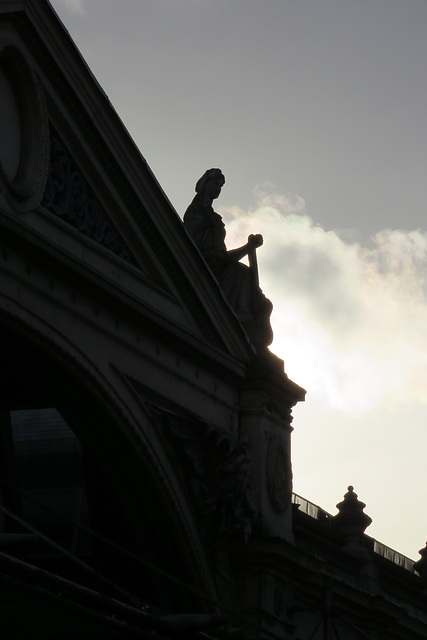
350 520
351 523
238 282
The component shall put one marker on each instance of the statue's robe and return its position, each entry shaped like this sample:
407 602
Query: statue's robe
236 280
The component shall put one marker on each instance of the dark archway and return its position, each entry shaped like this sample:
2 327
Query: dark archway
126 501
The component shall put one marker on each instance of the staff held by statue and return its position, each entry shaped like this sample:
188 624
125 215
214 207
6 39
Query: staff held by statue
239 283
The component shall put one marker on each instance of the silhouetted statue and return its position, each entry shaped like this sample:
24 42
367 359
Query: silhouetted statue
238 282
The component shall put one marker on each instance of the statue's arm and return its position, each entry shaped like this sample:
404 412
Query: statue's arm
254 241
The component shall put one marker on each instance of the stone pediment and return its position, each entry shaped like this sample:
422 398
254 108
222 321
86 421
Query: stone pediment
73 183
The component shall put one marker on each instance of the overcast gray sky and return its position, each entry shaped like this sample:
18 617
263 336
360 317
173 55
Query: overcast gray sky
316 113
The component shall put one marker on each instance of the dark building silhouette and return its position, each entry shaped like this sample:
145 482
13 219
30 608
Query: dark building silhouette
145 472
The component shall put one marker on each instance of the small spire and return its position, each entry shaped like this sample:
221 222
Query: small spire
350 519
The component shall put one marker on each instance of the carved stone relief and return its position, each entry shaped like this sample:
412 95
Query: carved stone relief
68 196
278 474
217 471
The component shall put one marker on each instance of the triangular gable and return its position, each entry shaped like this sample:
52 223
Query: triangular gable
91 194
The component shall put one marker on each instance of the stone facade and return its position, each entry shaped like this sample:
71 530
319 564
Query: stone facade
146 481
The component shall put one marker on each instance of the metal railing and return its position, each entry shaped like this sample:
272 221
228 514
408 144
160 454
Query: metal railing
316 512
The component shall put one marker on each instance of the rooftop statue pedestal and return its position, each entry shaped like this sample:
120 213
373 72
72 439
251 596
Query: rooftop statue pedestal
265 423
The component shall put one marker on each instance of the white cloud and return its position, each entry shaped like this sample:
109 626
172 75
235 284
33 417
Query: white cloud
350 320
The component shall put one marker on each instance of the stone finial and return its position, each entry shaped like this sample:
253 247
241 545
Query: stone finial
351 521
421 565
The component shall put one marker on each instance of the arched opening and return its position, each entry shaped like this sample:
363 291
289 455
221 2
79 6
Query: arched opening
65 445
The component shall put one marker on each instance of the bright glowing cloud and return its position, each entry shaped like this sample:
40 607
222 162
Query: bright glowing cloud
350 320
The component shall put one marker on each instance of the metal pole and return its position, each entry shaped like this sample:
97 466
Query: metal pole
253 264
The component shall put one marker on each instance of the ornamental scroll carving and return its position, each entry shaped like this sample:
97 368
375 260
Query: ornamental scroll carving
217 470
68 196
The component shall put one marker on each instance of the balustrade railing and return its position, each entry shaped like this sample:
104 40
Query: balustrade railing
318 513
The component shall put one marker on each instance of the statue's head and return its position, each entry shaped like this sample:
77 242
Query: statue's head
213 179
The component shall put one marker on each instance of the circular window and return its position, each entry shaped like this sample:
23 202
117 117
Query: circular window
23 131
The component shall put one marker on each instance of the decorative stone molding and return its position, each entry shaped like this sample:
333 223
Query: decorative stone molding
24 147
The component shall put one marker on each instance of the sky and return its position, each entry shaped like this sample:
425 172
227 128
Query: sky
316 113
